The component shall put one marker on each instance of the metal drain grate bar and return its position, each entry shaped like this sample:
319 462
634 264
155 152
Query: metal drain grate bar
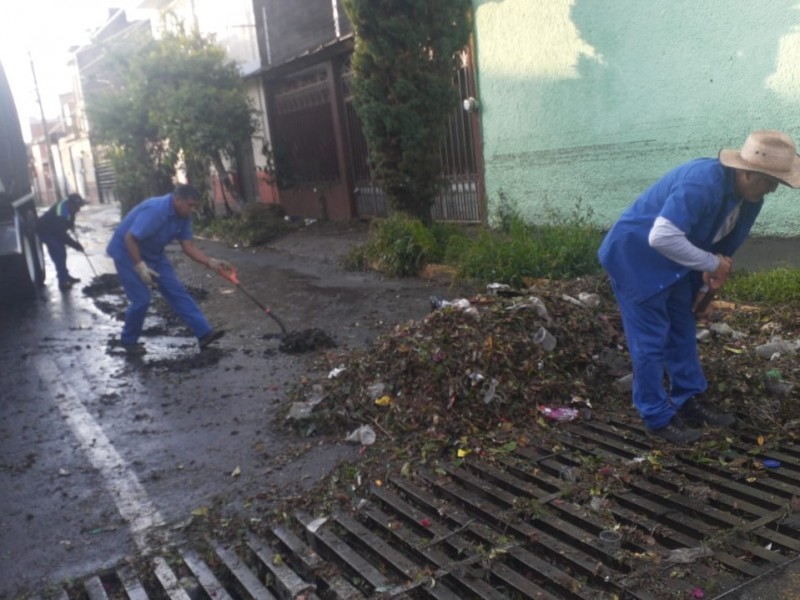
94 589
312 567
169 580
287 583
131 584
732 497
204 576
661 499
244 576
331 546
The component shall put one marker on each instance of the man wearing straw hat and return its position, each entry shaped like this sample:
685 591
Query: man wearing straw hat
670 246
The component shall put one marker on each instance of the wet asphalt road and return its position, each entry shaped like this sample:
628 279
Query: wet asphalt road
102 457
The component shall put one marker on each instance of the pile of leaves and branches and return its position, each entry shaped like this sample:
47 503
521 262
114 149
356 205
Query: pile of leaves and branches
478 376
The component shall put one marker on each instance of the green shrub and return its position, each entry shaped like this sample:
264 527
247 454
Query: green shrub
447 235
398 245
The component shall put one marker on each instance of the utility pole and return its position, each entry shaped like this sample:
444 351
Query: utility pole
51 161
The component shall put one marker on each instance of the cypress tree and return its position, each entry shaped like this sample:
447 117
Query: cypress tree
406 55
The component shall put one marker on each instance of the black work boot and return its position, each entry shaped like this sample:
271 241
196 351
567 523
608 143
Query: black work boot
211 337
677 432
135 349
697 412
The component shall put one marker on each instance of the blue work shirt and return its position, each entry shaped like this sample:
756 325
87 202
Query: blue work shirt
696 197
154 223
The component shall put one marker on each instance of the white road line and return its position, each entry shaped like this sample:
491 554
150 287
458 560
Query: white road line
121 482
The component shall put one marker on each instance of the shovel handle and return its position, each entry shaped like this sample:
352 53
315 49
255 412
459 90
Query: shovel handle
229 274
707 298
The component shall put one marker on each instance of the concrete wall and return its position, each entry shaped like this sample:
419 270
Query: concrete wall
594 100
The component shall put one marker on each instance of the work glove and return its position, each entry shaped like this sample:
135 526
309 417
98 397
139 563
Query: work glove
219 265
145 273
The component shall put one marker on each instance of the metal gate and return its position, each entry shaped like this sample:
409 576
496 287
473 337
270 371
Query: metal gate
304 142
460 200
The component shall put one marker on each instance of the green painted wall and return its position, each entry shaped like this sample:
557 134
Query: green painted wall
596 99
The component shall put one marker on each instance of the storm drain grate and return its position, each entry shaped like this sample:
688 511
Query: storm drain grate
507 528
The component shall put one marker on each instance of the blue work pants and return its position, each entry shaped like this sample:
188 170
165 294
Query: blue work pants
662 339
58 254
139 295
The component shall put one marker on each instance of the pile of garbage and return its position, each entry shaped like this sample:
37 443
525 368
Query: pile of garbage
508 366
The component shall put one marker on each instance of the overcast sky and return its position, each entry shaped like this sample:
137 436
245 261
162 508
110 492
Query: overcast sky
47 29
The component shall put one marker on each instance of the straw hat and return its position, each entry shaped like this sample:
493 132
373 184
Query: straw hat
768 151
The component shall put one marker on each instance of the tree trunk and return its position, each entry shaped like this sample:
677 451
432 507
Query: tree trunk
226 184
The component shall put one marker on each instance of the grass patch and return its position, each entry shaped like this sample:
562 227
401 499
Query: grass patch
257 224
773 287
556 251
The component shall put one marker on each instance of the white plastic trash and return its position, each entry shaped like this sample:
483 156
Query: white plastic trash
544 339
364 435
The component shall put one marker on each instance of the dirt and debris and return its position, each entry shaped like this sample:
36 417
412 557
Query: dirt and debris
495 372
107 295
500 376
306 340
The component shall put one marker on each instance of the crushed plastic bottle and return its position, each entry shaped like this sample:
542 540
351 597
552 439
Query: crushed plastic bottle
545 339
459 304
559 413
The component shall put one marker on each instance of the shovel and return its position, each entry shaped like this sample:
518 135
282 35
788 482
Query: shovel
86 255
230 275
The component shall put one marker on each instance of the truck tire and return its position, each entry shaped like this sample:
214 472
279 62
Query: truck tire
38 255
19 274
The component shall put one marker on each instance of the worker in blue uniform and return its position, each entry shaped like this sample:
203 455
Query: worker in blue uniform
137 247
670 247
53 228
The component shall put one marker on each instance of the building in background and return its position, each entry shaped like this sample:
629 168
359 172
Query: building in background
80 166
94 73
309 153
44 174
318 146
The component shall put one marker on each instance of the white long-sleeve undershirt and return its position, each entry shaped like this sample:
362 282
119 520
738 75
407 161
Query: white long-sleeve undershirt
666 238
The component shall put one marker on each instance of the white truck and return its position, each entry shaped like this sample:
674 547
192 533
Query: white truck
21 257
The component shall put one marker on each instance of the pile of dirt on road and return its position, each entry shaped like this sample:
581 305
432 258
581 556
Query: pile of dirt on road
492 372
107 294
